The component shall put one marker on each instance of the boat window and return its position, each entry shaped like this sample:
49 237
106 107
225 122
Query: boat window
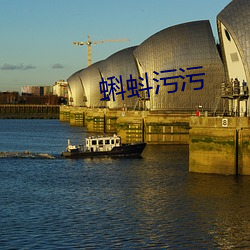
93 142
100 142
112 141
107 142
117 141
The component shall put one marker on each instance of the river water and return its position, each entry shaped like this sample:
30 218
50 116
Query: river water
150 203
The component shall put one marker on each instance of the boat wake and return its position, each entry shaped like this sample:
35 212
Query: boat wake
26 154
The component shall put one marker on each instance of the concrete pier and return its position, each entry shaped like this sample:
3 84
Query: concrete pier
219 145
132 126
64 114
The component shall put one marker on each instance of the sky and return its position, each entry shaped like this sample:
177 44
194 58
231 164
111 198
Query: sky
36 35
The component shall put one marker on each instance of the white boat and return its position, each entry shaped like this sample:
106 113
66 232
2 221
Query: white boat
96 146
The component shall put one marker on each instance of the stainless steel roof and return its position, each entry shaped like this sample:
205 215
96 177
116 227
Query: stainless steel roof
178 48
236 18
77 94
120 64
90 78
182 48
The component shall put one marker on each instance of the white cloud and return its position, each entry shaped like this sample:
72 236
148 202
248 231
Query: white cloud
57 66
21 66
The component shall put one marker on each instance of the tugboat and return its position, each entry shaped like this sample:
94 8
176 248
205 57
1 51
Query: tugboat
96 146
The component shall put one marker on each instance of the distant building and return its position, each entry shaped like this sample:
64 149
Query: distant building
9 97
30 90
47 90
37 90
60 89
38 95
40 100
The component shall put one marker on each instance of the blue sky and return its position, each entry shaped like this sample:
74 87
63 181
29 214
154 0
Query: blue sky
36 35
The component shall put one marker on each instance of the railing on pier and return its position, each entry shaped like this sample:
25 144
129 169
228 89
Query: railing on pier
24 111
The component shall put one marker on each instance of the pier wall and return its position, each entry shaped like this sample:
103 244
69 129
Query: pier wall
132 126
219 145
18 111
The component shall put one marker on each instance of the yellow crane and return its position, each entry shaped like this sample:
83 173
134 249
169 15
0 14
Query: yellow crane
89 43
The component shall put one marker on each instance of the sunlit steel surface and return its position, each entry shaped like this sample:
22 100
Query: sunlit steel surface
234 30
90 78
121 63
180 47
77 96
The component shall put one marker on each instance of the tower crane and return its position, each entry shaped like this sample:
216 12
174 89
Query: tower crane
89 43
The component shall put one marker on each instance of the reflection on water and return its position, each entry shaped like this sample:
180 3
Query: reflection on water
224 201
151 202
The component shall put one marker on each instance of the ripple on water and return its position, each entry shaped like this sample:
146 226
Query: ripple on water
145 203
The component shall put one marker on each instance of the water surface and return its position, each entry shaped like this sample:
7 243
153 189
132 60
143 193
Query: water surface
148 203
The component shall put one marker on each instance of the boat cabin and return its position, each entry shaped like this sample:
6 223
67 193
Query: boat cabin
104 143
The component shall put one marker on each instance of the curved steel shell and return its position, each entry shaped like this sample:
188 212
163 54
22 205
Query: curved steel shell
120 65
90 78
236 18
77 96
234 33
178 49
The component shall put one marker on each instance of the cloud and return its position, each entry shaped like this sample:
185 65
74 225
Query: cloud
29 67
57 66
21 66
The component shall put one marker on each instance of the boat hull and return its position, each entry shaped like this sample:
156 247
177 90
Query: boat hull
126 150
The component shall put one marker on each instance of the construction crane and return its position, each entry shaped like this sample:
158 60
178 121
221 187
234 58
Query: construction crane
89 43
